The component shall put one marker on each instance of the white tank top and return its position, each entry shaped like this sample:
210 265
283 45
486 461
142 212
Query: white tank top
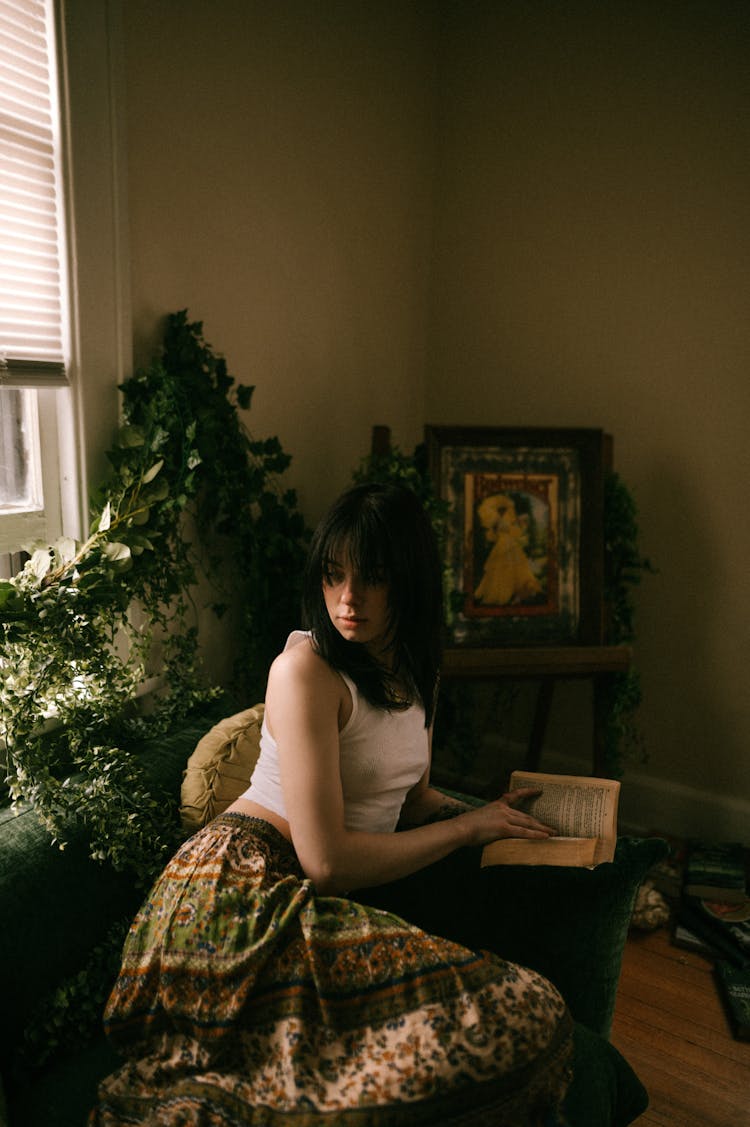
382 755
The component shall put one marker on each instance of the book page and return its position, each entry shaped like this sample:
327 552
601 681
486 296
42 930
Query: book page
573 807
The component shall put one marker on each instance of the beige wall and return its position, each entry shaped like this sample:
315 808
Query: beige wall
281 178
583 171
593 269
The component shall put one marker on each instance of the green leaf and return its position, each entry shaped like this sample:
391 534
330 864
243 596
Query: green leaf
118 556
105 520
66 548
131 436
151 474
12 604
40 562
139 543
8 593
158 492
244 396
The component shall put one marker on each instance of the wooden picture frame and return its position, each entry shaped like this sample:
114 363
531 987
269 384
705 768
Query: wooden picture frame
524 551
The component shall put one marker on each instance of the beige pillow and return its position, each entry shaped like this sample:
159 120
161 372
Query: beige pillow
219 769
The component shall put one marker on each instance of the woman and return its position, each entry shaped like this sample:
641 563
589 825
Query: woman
254 988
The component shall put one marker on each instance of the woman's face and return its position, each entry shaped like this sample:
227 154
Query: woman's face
359 611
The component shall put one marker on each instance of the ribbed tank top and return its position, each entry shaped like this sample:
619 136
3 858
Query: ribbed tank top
382 755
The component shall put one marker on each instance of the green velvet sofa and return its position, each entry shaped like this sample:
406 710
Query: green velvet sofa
56 908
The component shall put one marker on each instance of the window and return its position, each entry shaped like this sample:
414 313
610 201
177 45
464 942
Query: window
18 456
33 276
76 423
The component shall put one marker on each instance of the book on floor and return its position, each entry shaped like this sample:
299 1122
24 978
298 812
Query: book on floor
724 927
686 939
716 870
581 810
734 988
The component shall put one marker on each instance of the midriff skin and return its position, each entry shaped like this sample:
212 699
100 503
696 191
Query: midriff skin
255 810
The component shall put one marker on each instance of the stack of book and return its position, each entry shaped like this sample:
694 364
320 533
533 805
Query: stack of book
712 916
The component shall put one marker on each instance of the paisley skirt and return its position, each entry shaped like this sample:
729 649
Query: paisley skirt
246 1000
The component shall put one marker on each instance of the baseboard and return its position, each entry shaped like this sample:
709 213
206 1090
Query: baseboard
648 804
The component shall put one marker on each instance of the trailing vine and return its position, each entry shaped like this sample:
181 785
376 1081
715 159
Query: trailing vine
84 623
624 567
410 470
248 521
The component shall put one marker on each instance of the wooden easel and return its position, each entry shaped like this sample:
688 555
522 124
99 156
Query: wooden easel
545 664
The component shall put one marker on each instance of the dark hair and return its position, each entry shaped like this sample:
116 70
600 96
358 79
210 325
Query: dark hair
385 532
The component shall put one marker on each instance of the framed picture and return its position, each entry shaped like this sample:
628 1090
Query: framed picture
525 543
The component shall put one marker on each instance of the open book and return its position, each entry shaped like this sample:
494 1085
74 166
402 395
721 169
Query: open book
581 810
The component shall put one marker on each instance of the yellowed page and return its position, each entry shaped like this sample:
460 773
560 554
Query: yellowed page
571 851
573 806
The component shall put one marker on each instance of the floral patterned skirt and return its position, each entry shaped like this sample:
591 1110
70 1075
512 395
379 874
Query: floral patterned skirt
246 999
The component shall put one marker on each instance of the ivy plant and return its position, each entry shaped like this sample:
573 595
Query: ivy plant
85 622
624 565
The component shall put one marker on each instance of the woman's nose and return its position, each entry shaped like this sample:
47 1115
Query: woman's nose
352 589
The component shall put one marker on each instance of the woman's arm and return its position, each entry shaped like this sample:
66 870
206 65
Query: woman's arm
429 805
425 803
304 700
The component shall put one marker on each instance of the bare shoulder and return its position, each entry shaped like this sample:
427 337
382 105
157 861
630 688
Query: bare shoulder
304 690
301 671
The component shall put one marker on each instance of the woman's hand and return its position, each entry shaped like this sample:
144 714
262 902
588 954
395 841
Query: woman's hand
502 818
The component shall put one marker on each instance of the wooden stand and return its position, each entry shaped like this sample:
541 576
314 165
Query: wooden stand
547 664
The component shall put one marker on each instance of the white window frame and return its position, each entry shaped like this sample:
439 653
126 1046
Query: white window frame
78 423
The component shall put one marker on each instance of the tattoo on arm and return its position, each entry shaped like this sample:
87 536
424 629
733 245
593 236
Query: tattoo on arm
449 809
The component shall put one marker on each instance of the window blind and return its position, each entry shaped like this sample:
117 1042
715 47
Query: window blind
32 279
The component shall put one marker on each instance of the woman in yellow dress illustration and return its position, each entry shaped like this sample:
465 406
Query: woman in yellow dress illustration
507 577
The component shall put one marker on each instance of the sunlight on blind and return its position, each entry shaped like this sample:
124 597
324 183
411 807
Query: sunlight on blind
32 340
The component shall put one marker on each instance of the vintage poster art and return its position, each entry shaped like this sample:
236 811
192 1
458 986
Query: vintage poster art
524 544
511 561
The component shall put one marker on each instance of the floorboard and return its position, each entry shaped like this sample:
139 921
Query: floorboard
670 1025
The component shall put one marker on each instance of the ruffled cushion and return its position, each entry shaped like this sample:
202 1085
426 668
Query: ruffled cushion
219 769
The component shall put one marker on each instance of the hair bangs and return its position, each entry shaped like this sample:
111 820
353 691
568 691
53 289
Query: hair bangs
362 543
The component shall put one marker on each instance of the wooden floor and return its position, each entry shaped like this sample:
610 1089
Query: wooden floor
670 1025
